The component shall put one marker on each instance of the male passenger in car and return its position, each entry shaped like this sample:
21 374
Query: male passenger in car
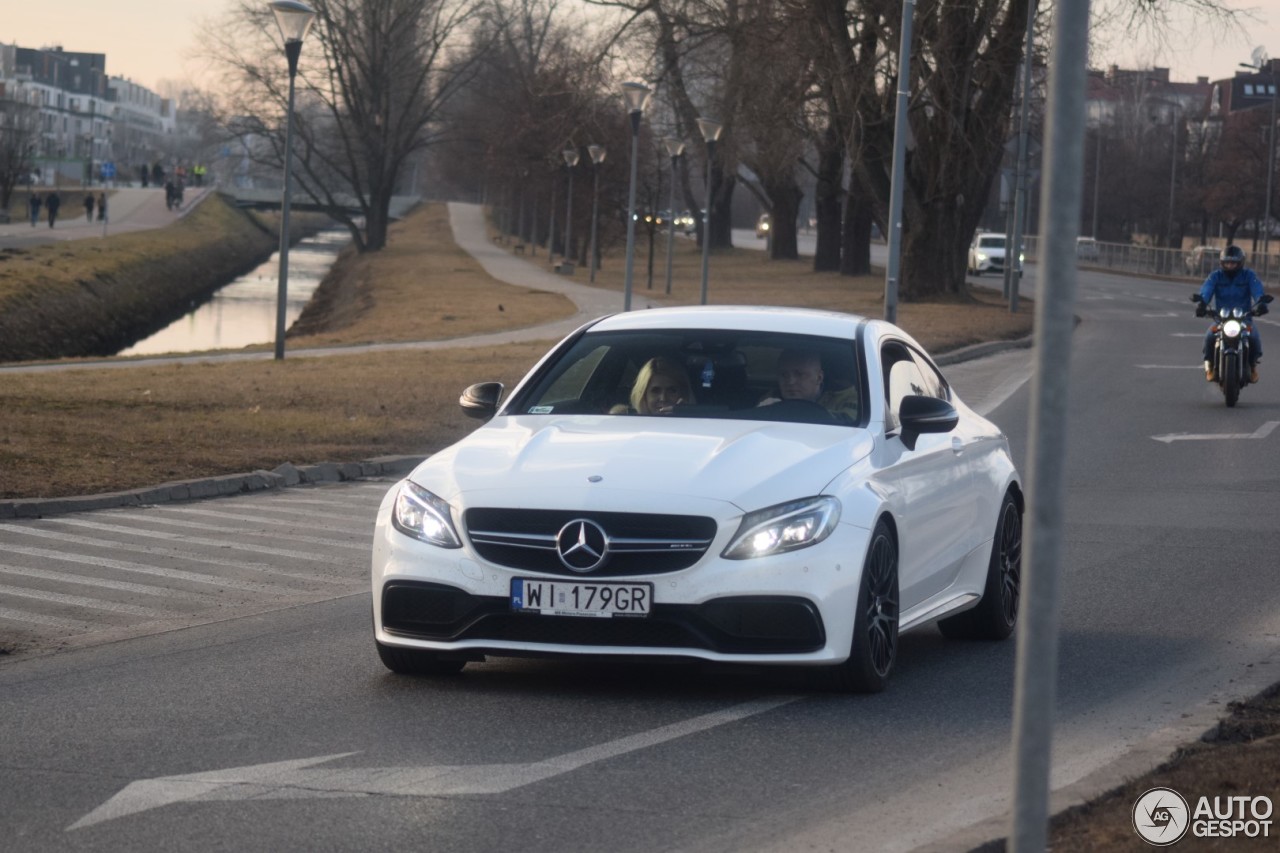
800 377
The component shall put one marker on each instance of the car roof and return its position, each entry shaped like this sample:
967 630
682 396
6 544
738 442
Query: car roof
770 318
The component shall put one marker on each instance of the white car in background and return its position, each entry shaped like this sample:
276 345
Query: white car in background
986 253
736 528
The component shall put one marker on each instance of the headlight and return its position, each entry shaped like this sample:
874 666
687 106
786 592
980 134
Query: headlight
422 515
982 256
1231 328
786 527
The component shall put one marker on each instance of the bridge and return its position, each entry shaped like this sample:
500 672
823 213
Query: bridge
270 199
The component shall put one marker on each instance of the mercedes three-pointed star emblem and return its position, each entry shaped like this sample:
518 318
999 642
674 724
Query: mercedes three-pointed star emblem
582 545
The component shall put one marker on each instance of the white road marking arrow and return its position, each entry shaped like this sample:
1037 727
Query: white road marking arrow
1261 432
299 779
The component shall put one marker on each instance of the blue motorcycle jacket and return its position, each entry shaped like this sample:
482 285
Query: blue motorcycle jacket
1240 289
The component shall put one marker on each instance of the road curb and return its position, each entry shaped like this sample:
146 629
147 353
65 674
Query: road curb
285 476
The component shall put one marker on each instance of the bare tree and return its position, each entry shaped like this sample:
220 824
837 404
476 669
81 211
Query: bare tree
19 122
374 79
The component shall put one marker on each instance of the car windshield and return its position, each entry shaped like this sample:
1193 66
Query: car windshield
991 242
741 375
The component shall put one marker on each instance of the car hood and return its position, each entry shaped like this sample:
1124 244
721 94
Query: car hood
639 463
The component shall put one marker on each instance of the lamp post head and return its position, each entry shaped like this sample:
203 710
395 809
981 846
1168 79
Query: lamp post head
570 157
710 129
597 153
294 19
636 96
675 147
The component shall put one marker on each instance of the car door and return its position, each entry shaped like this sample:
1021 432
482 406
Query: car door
932 482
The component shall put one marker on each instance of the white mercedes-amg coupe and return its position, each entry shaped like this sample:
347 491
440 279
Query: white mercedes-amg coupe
807 487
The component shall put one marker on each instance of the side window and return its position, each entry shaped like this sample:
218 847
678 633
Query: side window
908 373
931 381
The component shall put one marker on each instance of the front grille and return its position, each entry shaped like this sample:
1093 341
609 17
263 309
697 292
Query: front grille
739 625
639 543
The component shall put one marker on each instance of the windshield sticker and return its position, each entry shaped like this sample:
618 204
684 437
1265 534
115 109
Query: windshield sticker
541 410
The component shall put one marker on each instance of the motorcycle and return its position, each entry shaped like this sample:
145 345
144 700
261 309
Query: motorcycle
1231 328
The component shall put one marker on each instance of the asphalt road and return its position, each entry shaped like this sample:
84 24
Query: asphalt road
261 719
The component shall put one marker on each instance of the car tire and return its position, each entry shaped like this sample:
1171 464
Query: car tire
417 661
874 648
996 615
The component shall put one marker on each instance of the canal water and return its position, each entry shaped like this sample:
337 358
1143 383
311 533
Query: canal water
244 312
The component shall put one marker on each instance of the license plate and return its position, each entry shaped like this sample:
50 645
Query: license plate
576 598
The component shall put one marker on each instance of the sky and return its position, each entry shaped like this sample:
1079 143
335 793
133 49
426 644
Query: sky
149 40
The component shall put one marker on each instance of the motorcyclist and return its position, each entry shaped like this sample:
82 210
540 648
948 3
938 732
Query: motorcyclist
1233 286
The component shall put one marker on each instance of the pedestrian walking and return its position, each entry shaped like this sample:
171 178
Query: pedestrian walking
157 174
102 206
170 194
88 207
52 202
146 175
34 203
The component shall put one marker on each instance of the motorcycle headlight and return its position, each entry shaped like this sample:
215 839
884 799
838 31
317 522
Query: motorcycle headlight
785 527
1231 328
422 515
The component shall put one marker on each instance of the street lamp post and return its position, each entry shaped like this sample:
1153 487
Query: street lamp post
1271 165
1173 174
636 96
597 153
675 148
566 264
294 19
710 129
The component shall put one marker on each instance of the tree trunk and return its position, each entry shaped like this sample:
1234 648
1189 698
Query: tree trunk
782 223
826 203
936 245
855 256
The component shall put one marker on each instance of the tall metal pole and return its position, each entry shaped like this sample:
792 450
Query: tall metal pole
706 224
1271 167
892 269
710 133
566 265
636 96
1037 654
292 50
674 148
1173 174
631 212
1097 174
551 222
597 153
1013 249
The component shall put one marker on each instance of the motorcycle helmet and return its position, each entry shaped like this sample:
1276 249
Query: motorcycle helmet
1232 255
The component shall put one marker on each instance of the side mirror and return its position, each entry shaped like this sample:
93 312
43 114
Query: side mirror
1195 297
1266 298
481 400
918 415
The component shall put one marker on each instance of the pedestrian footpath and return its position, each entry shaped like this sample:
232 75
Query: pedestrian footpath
128 209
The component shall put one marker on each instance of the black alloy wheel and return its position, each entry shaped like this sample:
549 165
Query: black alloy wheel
996 615
874 648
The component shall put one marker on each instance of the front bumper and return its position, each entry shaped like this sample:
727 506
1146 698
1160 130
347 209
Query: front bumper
796 607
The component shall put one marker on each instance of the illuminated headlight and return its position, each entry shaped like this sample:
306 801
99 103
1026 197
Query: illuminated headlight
764 227
982 256
422 515
786 527
1231 328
